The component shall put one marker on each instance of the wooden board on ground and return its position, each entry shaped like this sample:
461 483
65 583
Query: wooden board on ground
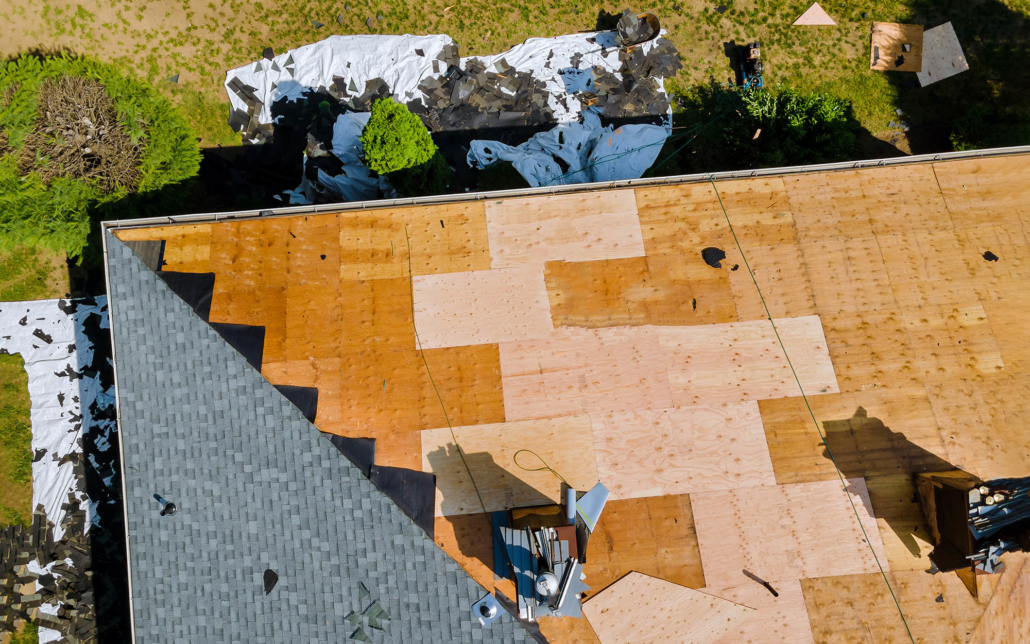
942 55
888 47
639 609
777 620
576 371
739 361
573 227
786 532
859 608
565 444
1007 618
815 16
680 450
481 307
653 535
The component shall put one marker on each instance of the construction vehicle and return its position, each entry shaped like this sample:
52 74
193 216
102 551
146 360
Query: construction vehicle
750 56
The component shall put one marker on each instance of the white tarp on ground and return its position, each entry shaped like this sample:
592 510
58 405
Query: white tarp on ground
589 152
394 59
50 336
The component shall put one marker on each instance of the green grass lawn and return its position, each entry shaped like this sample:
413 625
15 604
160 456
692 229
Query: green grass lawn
201 40
15 442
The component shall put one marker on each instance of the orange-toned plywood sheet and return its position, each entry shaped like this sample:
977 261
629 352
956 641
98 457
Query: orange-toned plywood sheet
575 371
1007 314
679 450
565 444
467 539
639 609
847 275
860 608
889 42
953 342
481 307
875 432
786 532
871 350
574 227
744 361
653 535
782 277
777 620
1007 617
187 248
444 238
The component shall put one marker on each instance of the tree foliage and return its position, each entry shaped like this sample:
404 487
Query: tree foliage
46 190
395 139
724 128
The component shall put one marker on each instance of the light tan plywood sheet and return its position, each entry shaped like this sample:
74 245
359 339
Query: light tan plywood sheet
1007 313
565 444
858 609
575 227
481 307
740 361
576 371
1007 617
942 55
444 238
814 16
786 532
679 450
888 54
821 206
983 424
848 275
653 535
981 191
639 609
776 620
781 274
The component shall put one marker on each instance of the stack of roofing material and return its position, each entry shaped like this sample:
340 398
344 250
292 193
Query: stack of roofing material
633 29
999 518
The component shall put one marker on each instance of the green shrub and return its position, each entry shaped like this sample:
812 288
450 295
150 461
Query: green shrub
47 190
395 139
429 178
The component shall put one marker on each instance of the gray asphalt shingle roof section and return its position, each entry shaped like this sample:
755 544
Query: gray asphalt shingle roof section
257 486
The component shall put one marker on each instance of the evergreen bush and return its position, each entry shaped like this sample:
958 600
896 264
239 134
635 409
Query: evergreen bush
76 135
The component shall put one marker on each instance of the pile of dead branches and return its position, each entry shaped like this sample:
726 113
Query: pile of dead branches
77 135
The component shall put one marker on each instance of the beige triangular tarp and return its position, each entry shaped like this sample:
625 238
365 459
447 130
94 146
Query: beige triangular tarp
814 16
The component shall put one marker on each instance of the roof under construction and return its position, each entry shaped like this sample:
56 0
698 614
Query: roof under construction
754 368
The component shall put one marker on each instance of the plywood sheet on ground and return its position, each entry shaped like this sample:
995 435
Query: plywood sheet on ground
814 16
680 450
574 227
576 371
744 361
786 532
653 535
639 609
776 620
481 307
1007 617
565 444
858 609
942 55
888 41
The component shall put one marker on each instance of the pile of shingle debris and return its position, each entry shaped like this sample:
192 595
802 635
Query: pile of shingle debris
638 92
68 584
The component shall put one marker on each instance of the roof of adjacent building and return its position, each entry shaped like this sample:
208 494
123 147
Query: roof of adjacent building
256 487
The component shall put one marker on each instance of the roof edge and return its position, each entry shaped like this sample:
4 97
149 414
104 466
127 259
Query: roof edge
563 189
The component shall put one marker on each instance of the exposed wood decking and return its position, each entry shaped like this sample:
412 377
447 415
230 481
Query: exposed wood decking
588 328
